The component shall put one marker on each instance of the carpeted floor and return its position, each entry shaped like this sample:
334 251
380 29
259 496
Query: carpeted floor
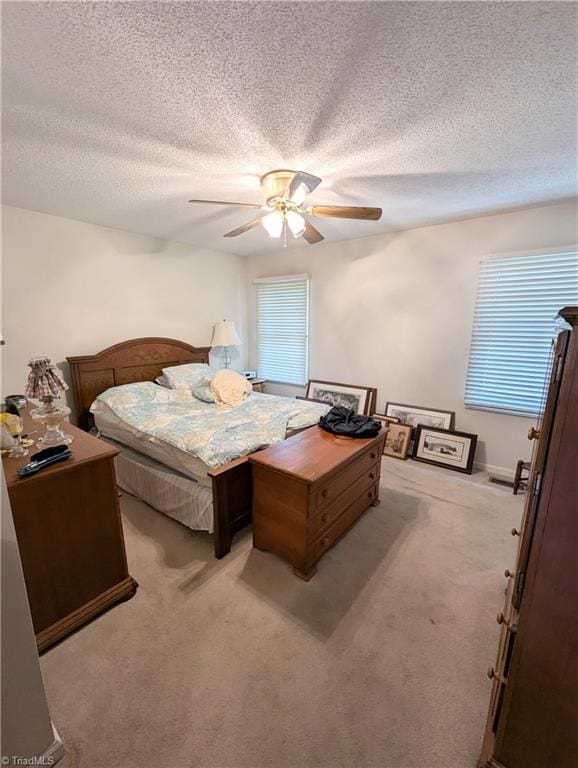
380 661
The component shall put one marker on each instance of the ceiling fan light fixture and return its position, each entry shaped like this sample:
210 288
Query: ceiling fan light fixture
298 197
285 195
296 223
273 224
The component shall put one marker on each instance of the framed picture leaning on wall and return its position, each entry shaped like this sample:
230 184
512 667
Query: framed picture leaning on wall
397 440
454 450
414 415
358 399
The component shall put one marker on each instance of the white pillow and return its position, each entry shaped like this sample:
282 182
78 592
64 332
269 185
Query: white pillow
203 393
187 376
140 393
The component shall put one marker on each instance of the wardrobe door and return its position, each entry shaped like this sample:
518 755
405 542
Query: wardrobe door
538 722
542 433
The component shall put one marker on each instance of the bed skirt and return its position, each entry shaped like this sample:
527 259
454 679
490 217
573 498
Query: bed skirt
164 489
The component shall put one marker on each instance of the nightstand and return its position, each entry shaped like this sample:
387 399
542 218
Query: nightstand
258 384
69 532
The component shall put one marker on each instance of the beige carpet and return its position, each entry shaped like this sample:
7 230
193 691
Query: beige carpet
379 661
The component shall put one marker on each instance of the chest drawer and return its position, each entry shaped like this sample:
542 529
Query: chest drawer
319 522
343 522
330 489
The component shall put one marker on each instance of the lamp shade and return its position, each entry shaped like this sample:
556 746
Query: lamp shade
44 380
273 223
225 334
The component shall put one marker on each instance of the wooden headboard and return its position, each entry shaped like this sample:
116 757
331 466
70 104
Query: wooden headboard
129 361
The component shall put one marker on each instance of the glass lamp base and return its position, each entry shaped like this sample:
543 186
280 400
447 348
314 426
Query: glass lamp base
54 436
51 415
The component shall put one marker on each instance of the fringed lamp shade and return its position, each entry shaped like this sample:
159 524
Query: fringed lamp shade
44 380
45 384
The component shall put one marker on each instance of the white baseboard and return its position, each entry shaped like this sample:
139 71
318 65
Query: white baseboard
507 473
55 751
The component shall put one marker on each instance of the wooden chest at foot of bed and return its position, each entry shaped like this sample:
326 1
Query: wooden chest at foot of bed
309 490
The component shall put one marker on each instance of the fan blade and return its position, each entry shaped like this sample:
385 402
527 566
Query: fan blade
311 234
345 212
244 228
309 181
224 202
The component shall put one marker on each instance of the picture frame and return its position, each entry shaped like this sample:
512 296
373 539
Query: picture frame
445 448
386 419
309 399
397 440
359 399
416 415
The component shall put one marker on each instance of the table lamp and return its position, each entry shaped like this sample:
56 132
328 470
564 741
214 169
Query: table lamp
225 336
45 384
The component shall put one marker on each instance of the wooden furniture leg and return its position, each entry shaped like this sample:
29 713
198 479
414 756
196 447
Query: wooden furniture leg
232 502
520 480
305 575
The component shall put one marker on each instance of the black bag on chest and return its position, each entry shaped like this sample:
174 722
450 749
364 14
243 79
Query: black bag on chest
345 422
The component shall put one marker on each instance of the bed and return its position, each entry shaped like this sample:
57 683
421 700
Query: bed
172 479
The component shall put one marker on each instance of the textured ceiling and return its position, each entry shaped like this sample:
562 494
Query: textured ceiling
116 113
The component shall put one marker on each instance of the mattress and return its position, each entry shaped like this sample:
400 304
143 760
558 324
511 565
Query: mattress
110 425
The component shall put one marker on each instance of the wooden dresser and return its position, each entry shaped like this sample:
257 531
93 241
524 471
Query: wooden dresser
69 533
533 713
309 490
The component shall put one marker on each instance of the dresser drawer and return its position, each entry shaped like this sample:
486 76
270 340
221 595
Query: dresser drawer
321 521
327 491
342 523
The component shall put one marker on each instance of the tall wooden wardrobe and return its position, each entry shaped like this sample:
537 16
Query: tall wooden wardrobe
533 714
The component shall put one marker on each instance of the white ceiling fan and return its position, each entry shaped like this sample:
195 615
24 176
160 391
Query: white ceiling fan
285 194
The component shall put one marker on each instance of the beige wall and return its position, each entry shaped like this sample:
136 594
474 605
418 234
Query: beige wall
71 288
396 311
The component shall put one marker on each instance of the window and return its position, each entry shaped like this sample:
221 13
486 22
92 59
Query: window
514 323
283 328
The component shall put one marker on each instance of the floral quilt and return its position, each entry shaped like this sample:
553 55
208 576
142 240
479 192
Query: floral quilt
216 434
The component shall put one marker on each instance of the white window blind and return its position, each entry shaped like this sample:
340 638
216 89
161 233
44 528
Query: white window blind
514 323
283 328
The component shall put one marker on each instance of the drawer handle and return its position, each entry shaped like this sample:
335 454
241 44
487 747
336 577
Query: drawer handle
373 455
372 475
515 532
324 517
325 493
325 541
493 675
369 494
